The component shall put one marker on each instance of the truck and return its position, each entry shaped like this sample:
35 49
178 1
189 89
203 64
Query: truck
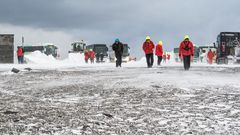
48 49
227 47
125 56
78 47
101 51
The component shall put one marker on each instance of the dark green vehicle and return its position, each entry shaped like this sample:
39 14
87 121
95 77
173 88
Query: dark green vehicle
101 51
47 49
227 42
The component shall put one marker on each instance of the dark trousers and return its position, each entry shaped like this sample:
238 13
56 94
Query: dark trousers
150 60
97 58
119 60
92 60
159 60
86 60
101 56
20 59
186 62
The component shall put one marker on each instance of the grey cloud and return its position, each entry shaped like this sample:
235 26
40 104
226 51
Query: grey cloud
129 20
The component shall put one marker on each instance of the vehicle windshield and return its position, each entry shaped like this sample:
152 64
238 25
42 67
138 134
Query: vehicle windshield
100 49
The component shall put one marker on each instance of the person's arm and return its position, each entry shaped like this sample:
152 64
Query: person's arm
161 50
180 50
113 47
192 49
153 46
156 50
121 47
144 47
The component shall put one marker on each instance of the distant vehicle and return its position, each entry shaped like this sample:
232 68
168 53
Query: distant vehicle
51 50
28 49
101 51
48 49
78 47
125 56
227 42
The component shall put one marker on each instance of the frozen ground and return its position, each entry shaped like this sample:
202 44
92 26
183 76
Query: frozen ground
69 97
101 99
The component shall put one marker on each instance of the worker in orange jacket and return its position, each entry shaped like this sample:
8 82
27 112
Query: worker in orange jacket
210 57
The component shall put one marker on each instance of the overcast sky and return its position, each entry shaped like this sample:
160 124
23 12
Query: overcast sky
101 21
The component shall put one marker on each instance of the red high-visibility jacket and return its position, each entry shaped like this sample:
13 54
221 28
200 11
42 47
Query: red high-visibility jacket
148 47
164 56
210 55
186 48
168 56
20 52
159 50
86 55
91 54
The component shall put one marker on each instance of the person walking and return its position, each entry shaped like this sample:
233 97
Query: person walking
186 51
118 49
20 55
164 57
210 56
148 48
159 52
168 57
86 56
91 54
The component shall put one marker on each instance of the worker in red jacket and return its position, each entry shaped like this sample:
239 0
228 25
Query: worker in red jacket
20 54
186 51
168 56
164 57
148 47
159 52
210 56
91 54
86 56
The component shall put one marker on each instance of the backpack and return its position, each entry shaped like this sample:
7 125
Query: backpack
186 48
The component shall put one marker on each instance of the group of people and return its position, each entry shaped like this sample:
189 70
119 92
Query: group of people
89 55
117 47
186 51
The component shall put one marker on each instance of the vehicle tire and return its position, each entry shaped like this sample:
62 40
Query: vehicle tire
225 60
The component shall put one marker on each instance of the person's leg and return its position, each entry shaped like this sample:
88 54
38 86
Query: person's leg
148 60
19 60
185 62
210 61
188 62
97 59
160 60
152 59
120 60
116 60
102 58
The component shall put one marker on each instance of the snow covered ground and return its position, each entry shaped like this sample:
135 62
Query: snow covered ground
72 98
